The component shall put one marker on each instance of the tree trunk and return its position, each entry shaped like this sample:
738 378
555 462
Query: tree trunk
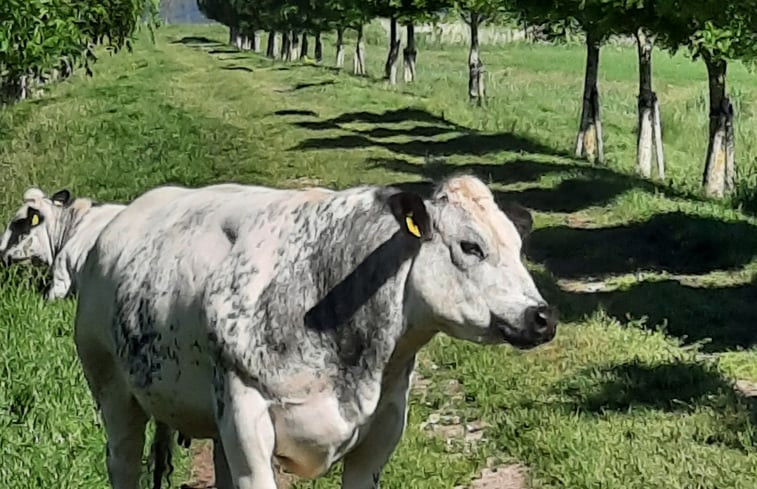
255 41
294 46
66 68
246 42
589 142
285 44
720 167
304 47
648 143
409 55
270 49
475 65
14 90
658 140
232 35
390 68
340 47
358 66
318 48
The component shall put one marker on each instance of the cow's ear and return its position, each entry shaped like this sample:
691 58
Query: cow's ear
62 197
519 216
33 217
410 211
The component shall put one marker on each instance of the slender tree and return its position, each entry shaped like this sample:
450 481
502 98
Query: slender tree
715 32
594 18
475 13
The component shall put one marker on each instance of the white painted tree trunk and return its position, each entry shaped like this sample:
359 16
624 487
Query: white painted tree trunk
392 59
339 47
720 167
255 41
648 142
409 55
358 66
475 65
589 143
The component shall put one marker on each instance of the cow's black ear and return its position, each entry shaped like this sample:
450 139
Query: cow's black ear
62 197
519 216
410 211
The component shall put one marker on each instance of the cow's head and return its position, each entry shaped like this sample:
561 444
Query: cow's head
28 235
468 278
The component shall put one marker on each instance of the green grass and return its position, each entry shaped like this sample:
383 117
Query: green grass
656 286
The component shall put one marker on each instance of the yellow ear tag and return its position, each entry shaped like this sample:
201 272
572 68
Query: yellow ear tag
35 220
412 227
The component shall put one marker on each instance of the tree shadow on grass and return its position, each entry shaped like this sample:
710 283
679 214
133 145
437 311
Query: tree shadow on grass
674 242
392 117
195 40
302 86
722 318
517 171
287 112
593 184
228 50
461 144
570 195
237 68
676 386
417 131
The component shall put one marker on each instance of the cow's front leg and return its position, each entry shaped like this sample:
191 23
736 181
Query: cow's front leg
364 464
246 433
221 467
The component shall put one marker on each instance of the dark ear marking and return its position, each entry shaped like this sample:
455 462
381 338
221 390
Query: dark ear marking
410 211
33 217
62 197
519 216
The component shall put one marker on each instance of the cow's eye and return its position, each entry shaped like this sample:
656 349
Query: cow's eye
471 248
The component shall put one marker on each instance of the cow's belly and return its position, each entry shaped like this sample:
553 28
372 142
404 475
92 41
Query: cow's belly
182 399
179 389
312 436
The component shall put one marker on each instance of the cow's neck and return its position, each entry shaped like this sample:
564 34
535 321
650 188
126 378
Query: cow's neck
64 224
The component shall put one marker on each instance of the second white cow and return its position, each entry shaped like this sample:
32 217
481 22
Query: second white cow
56 232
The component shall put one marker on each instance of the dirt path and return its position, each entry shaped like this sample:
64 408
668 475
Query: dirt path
202 475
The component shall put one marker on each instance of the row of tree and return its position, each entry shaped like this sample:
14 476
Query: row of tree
47 39
711 30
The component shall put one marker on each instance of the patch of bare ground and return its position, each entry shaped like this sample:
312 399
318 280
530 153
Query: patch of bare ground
203 473
512 476
746 388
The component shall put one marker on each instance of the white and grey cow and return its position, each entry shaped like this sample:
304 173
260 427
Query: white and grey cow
284 324
55 232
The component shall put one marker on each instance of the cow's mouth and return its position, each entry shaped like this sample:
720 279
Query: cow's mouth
522 339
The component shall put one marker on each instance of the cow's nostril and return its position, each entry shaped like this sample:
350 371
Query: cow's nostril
541 318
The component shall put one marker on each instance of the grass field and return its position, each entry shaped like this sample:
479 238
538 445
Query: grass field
655 285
